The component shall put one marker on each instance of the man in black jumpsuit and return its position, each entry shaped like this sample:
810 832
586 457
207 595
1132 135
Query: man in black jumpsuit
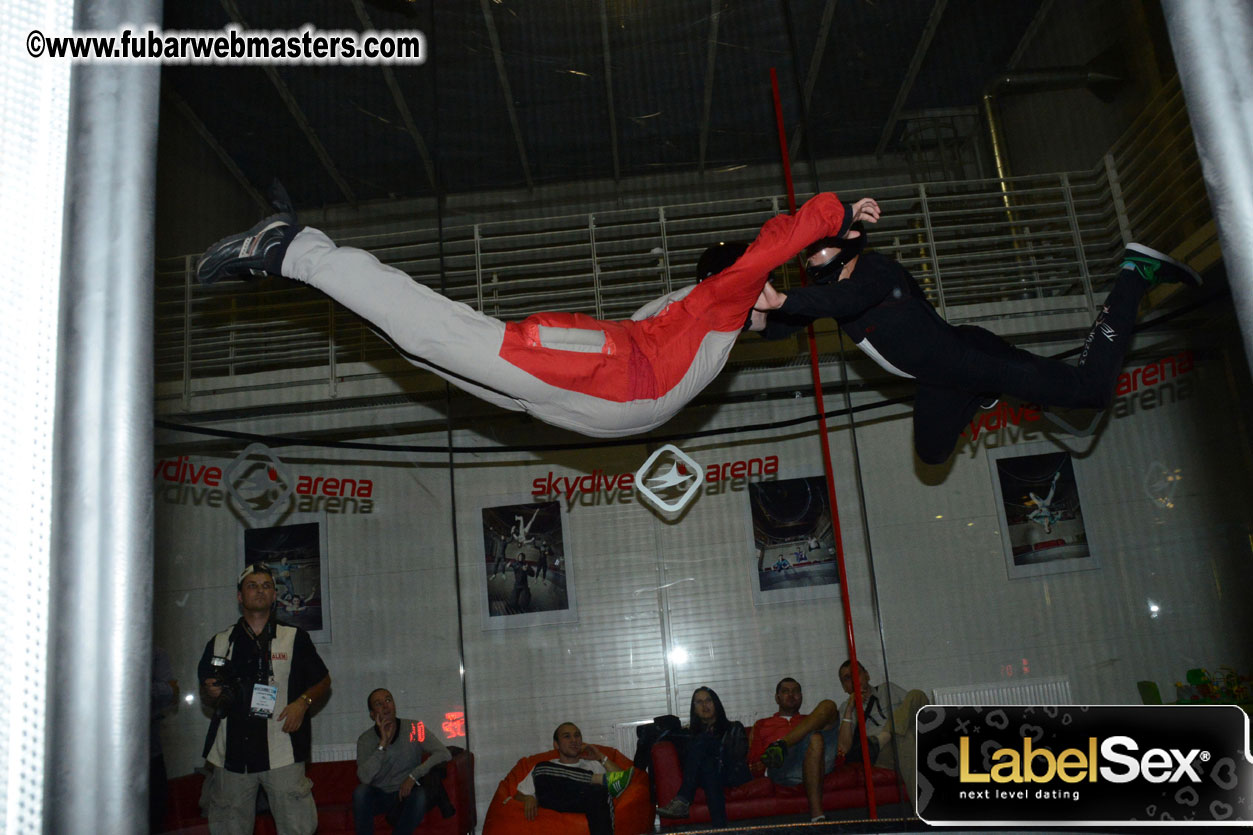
881 307
520 598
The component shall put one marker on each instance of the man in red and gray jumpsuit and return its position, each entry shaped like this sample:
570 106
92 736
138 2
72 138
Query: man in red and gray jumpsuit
601 378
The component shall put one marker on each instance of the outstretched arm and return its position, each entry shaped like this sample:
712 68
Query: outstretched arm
839 300
780 325
843 298
770 323
781 237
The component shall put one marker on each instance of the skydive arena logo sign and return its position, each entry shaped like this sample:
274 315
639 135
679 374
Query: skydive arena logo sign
1166 765
260 483
588 489
261 486
673 484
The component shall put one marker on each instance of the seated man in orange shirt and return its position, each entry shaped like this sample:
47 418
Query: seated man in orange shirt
791 747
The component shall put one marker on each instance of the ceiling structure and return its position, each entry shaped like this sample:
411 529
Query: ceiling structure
519 94
522 93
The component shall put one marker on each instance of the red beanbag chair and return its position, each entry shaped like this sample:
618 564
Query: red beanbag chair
632 810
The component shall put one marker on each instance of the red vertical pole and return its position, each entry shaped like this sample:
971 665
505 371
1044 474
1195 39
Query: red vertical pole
826 464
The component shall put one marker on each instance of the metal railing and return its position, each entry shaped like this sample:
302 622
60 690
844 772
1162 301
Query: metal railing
1053 252
1155 175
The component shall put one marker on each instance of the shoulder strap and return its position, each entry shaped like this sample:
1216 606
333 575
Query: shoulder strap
222 645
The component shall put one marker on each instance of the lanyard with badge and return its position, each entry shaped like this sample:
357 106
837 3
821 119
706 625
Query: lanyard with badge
265 691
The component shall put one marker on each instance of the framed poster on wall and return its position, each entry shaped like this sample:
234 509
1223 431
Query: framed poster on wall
296 551
793 540
1038 498
527 573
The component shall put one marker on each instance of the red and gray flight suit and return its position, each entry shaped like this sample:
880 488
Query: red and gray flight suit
600 378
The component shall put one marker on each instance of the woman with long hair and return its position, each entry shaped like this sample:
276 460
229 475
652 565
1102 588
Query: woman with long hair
715 758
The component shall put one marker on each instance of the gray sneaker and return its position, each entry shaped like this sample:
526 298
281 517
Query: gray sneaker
256 252
676 808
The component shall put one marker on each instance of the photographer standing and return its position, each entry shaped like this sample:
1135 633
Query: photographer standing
260 677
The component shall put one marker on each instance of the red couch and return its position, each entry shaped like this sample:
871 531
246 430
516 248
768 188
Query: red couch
333 784
843 788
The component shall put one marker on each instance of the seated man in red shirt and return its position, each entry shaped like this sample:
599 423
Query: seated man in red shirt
600 378
791 747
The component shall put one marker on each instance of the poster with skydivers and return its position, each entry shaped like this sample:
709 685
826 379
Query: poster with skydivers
526 569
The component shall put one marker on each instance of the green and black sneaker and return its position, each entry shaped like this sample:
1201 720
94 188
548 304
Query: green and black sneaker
774 754
617 781
1158 268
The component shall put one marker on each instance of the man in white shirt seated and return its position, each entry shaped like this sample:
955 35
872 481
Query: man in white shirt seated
576 781
890 719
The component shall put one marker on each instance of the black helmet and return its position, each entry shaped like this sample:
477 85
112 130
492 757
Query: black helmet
718 257
849 248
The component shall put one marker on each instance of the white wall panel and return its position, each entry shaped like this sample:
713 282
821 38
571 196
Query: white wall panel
604 668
